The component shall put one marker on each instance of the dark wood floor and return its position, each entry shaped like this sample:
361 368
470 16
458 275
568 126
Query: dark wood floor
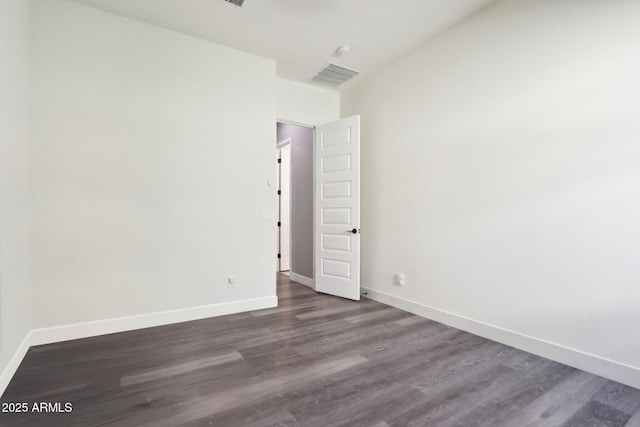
313 361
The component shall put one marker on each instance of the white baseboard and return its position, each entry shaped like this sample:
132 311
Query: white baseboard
617 371
14 363
121 324
302 279
129 323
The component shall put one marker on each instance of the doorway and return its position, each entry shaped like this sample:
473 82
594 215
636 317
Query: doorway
319 240
295 147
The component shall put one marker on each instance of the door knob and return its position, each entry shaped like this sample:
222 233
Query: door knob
353 231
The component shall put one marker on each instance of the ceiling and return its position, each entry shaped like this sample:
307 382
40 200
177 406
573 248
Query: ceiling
302 35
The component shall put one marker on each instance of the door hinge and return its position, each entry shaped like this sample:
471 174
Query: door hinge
279 160
279 256
279 192
279 224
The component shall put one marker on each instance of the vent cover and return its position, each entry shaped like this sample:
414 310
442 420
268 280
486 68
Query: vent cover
235 2
334 75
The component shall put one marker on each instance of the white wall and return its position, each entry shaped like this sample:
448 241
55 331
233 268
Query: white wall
15 296
306 104
151 155
501 174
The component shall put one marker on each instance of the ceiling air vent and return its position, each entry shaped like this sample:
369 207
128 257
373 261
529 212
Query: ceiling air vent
236 2
334 75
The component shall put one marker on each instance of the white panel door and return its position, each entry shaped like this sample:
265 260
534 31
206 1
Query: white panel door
285 211
337 208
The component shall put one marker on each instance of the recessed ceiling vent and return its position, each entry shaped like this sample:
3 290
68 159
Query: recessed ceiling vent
235 2
334 75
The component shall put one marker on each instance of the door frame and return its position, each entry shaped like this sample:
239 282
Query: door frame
279 146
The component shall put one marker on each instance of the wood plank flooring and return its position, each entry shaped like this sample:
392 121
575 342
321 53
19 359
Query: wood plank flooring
313 361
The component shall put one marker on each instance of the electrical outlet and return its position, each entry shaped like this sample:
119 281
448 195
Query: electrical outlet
398 279
232 282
